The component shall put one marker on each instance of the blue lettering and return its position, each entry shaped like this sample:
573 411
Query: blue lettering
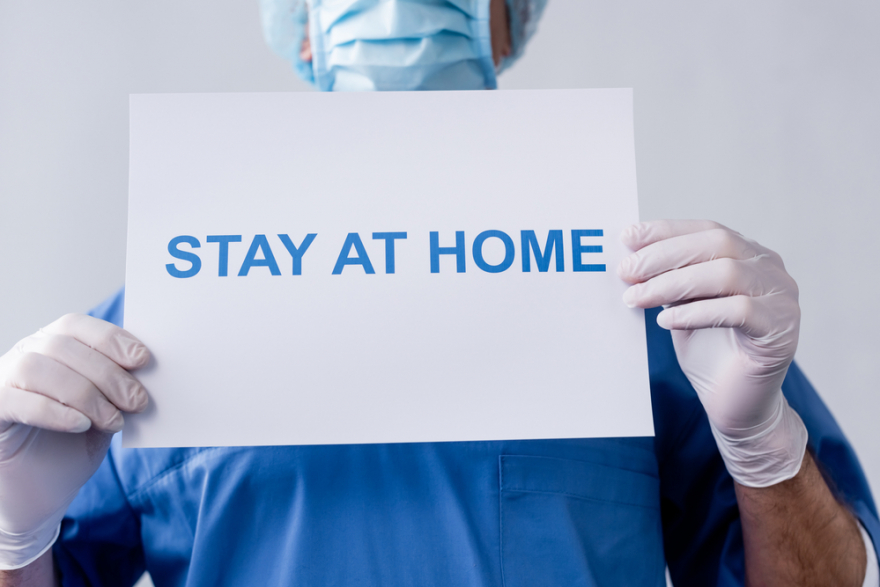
577 249
389 238
457 250
542 259
260 243
178 254
297 253
362 259
353 252
223 259
509 251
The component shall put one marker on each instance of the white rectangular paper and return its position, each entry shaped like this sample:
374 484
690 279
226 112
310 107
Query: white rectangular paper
360 356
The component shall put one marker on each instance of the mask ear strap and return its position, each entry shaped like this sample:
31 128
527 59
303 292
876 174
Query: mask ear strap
481 38
323 80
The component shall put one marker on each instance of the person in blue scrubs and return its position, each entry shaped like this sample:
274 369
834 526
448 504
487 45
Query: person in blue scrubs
724 492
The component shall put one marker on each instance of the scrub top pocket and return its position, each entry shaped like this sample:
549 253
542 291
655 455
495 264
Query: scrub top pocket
577 523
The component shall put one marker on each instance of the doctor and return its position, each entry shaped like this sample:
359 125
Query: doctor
748 481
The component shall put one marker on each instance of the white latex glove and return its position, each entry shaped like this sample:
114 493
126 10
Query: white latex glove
734 316
61 392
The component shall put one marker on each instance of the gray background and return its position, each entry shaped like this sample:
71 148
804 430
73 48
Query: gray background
761 115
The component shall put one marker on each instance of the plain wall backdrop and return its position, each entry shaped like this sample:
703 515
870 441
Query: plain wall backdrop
761 115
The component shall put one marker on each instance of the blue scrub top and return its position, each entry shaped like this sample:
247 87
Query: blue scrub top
591 512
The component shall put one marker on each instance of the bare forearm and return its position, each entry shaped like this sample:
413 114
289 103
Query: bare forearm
40 573
796 533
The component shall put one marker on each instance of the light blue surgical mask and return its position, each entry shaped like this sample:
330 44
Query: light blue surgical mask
401 44
396 44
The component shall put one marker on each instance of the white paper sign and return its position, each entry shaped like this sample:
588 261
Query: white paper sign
317 268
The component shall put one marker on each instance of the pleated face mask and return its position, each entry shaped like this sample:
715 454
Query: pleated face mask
396 44
401 44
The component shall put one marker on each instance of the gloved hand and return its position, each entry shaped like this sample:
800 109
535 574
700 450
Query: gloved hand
734 316
61 392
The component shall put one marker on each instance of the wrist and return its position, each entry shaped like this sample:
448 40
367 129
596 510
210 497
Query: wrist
20 550
768 454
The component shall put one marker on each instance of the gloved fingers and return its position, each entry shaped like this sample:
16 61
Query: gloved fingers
643 234
113 342
33 409
40 374
114 382
712 279
685 250
743 312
